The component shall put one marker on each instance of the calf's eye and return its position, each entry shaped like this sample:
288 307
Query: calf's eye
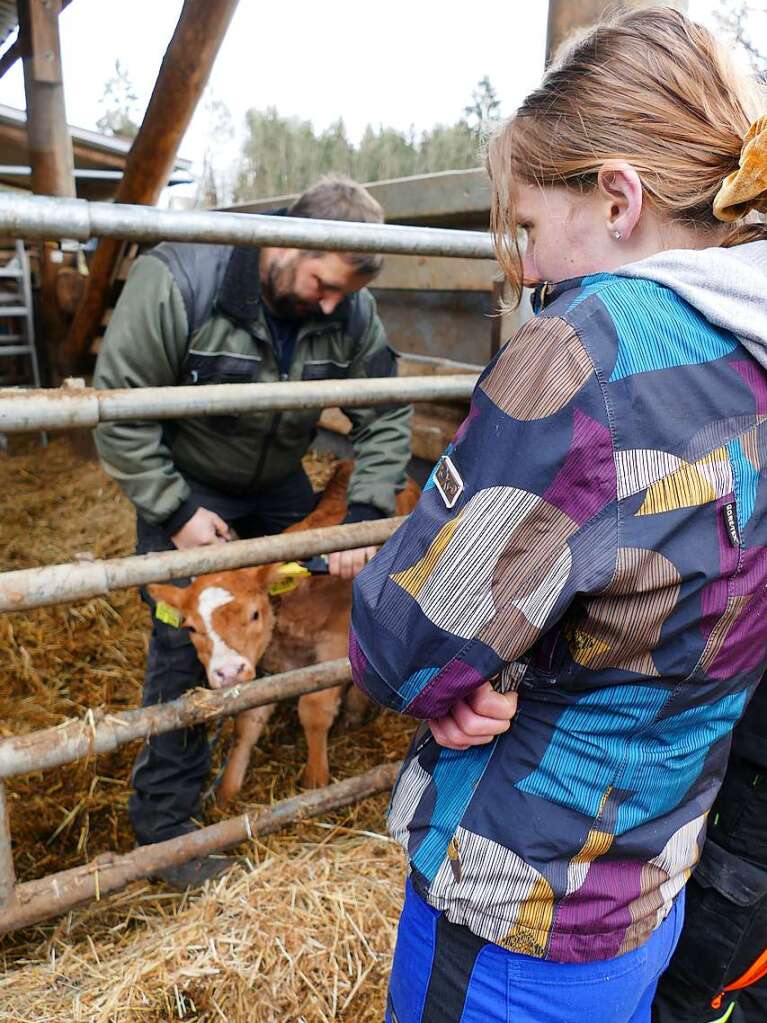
255 616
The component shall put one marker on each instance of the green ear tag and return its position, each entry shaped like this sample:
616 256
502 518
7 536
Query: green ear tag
165 613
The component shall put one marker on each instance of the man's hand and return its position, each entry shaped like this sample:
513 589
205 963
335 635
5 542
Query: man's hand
347 564
204 527
476 720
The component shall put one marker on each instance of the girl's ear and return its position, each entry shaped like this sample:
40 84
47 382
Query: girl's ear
621 188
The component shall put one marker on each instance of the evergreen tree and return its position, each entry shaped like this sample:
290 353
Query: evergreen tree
282 155
122 114
484 109
215 185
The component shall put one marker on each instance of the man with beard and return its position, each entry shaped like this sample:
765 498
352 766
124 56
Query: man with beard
214 314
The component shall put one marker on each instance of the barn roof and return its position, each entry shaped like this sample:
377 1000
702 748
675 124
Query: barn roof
99 159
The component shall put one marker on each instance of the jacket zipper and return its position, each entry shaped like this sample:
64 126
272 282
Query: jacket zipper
271 433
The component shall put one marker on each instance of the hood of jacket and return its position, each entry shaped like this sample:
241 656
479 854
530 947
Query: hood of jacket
727 286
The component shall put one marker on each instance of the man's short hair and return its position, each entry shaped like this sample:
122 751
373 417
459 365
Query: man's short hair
336 197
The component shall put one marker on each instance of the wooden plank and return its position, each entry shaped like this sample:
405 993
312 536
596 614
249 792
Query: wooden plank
436 273
410 365
421 199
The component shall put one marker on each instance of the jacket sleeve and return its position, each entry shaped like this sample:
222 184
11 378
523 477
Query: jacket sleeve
518 517
144 347
381 434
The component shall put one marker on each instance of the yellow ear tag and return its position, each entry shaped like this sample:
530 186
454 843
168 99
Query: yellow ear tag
287 578
165 613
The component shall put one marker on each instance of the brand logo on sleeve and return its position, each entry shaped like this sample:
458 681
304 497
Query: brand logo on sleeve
448 481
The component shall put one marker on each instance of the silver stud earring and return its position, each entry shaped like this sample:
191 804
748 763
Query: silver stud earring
617 235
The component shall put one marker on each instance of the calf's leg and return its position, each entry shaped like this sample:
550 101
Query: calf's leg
317 712
357 707
248 726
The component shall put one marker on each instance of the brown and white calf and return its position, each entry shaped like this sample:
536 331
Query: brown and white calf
236 626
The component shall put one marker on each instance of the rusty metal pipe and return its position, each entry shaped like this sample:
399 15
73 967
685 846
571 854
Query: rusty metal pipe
59 584
58 893
23 410
77 738
48 217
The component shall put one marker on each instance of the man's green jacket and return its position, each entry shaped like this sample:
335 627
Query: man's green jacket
192 314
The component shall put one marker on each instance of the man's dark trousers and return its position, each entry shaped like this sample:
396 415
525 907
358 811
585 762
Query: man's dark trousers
725 927
171 769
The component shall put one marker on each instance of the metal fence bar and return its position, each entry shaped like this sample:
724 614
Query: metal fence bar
25 410
77 739
49 217
58 893
59 584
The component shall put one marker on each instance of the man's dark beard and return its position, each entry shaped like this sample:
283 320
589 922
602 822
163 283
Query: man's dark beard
277 292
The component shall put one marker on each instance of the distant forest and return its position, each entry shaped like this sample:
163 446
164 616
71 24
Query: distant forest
279 155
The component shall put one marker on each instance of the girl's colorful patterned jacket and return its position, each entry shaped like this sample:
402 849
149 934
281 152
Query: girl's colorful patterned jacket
596 535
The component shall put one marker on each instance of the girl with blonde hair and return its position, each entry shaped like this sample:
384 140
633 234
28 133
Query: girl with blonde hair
592 544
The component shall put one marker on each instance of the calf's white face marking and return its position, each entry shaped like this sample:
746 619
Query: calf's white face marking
225 665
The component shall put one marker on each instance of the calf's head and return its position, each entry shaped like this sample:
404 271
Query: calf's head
229 618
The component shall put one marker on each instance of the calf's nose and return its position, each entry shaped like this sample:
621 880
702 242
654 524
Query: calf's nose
229 673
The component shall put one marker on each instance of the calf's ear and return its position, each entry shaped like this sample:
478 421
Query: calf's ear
173 596
259 577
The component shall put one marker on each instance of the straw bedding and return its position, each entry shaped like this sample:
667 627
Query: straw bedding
301 930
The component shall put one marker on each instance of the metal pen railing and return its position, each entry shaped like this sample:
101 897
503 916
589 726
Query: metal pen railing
51 217
69 408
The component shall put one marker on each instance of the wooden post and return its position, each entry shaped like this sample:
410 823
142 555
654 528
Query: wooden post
566 16
183 75
7 873
50 145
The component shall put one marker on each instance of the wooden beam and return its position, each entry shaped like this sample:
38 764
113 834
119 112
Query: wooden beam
13 53
50 147
7 872
568 16
183 75
436 273
445 198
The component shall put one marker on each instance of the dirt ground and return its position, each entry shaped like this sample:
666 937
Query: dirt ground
302 930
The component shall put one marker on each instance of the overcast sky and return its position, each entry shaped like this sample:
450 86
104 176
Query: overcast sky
414 64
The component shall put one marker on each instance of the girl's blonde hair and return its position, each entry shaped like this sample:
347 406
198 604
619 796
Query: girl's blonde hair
652 88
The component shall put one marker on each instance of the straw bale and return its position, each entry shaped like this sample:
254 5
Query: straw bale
297 949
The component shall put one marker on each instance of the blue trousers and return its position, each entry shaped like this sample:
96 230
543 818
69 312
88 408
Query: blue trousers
442 973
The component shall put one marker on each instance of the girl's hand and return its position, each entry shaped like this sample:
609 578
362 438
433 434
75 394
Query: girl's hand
347 564
476 720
